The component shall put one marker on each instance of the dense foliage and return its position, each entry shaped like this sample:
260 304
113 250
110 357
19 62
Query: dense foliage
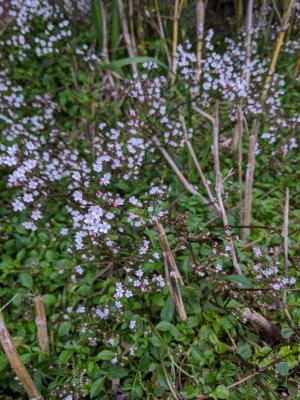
124 189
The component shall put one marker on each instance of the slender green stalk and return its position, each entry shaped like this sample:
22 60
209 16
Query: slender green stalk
115 29
97 21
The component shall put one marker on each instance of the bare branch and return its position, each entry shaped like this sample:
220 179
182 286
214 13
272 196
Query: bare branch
41 323
249 181
16 363
179 174
219 189
172 273
127 38
198 166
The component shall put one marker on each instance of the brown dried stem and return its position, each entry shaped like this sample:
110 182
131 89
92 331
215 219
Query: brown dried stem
200 18
249 181
261 322
198 166
41 323
162 34
279 43
179 174
219 189
177 11
172 272
127 38
16 363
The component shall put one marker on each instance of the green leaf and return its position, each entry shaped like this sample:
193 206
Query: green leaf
97 20
124 62
244 350
115 27
286 331
192 322
26 280
282 368
221 392
64 328
164 326
106 355
241 280
168 309
116 371
3 363
49 299
65 356
96 387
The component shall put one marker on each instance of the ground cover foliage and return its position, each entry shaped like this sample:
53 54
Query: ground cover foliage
150 199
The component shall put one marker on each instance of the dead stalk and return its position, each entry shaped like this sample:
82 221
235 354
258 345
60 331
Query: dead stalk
251 315
239 12
279 43
127 38
248 41
167 250
240 162
177 11
162 33
179 174
297 66
247 209
286 232
41 323
261 322
172 273
219 189
131 24
200 18
16 363
286 248
238 132
198 166
175 395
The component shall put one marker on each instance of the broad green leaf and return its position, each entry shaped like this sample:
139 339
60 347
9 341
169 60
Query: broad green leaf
241 280
116 371
65 356
168 309
97 20
49 299
105 355
124 62
244 350
96 387
164 326
221 392
26 280
64 328
282 368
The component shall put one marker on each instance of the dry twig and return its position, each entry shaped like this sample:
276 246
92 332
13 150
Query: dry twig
172 272
198 166
16 363
189 187
127 38
279 43
219 189
249 181
41 323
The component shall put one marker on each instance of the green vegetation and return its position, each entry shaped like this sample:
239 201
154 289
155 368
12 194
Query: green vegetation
151 199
